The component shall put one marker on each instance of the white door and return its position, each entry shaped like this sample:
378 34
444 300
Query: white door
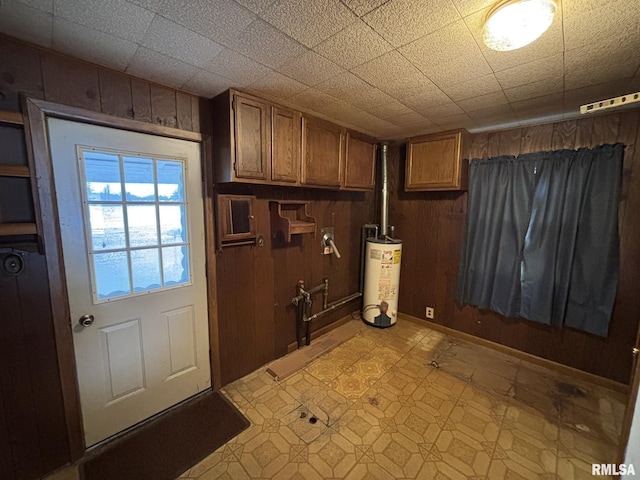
131 217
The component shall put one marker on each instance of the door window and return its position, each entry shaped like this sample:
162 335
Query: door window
136 223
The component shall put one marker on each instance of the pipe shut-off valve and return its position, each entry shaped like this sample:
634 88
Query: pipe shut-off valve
327 240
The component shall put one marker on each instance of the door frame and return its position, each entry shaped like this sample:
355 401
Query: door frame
36 112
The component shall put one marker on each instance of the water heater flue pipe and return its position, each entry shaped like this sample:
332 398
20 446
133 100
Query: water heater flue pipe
384 202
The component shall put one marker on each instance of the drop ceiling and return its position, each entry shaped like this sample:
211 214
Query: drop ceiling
391 68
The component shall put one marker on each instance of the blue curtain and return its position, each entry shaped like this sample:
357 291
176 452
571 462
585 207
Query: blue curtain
541 239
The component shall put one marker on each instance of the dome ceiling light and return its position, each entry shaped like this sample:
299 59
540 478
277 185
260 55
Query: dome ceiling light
512 24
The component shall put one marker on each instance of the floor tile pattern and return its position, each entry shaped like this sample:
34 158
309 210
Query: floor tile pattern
409 402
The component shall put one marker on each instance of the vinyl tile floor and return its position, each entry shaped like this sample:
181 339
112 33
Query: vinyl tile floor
409 402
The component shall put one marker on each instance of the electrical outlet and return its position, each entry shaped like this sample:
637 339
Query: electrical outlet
430 312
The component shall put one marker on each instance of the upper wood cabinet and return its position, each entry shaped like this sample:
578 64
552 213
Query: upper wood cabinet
255 141
322 153
241 147
286 132
360 161
436 162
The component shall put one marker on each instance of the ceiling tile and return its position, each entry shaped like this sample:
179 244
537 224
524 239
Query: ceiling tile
536 89
452 41
546 106
614 19
312 100
267 45
601 73
573 8
152 5
403 21
160 68
460 120
311 21
472 88
444 110
457 70
92 45
395 75
483 101
206 84
387 110
311 68
116 17
222 20
38 28
256 6
498 113
172 39
43 5
241 70
362 7
275 86
467 7
410 118
531 71
354 45
423 128
425 101
354 91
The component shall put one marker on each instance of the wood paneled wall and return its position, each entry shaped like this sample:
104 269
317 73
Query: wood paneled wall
431 225
256 284
33 435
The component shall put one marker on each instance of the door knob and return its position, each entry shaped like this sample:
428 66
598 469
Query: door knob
635 350
86 320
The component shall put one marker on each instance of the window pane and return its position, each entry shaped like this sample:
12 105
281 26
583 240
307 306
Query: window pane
170 181
142 225
175 264
107 227
145 269
102 176
112 274
138 177
173 224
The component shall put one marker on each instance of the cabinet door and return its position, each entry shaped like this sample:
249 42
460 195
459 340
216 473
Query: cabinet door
360 163
434 162
322 153
251 141
286 126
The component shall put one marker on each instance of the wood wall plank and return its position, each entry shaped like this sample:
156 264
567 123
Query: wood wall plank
627 134
141 99
115 93
510 141
537 138
20 71
564 135
70 82
163 106
184 118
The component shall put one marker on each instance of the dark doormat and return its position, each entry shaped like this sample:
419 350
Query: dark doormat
168 445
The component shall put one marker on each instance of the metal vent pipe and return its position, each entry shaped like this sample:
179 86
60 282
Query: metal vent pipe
384 204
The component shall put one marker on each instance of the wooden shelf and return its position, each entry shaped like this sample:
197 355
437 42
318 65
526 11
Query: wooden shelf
290 217
7 229
14 118
14 171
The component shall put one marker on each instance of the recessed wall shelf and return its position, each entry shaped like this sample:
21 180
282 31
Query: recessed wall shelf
291 218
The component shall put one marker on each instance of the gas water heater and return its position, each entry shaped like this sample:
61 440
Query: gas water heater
381 264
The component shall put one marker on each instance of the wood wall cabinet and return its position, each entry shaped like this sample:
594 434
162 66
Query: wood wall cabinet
241 139
437 162
322 153
258 142
286 133
360 161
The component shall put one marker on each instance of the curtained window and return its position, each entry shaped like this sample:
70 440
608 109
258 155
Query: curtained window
541 239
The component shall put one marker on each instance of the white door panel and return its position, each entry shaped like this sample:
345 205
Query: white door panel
132 225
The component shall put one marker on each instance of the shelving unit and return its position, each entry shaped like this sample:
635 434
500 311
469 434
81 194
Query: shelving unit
291 218
10 229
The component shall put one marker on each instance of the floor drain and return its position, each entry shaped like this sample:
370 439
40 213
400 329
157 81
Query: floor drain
313 420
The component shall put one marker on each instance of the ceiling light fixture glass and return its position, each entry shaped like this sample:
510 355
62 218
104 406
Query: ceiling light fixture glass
512 24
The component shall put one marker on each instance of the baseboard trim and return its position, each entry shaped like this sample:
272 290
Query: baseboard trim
543 362
292 347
